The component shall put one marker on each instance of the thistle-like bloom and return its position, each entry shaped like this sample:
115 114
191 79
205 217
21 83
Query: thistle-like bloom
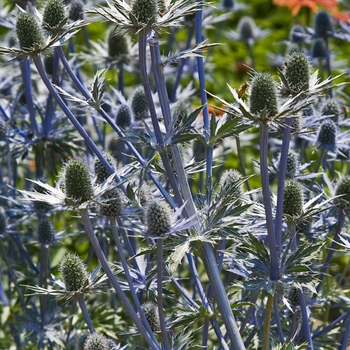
145 14
46 232
326 135
101 172
231 184
54 14
159 218
151 312
293 199
343 189
139 104
123 117
96 341
323 25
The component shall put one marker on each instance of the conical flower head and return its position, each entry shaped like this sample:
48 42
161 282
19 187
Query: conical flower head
28 32
343 190
80 341
96 341
158 216
292 164
101 172
318 49
54 13
77 181
246 29
73 272
118 45
139 104
145 194
145 10
151 312
39 206
327 133
262 94
297 34
123 117
46 232
76 10
293 198
112 205
332 108
323 25
297 72
230 183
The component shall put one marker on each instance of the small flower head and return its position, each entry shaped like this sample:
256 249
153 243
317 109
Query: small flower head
332 108
230 183
3 225
77 181
139 104
304 227
323 25
343 190
54 14
262 94
294 297
151 312
96 341
292 164
145 11
326 135
123 117
101 172
29 34
145 195
112 204
293 198
246 29
118 47
297 34
76 10
41 207
46 232
297 72
318 49
158 216
80 341
74 273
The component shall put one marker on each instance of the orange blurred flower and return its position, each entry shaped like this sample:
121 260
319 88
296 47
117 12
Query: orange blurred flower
330 5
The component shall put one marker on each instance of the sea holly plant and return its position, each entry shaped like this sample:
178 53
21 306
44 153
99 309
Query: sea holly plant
217 224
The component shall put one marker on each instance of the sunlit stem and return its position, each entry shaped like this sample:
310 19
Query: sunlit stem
85 312
267 321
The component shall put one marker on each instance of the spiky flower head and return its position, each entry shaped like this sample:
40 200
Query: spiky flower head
123 117
293 198
3 225
96 341
77 181
145 194
323 25
297 72
112 205
118 46
332 108
46 232
326 135
318 49
76 10
39 206
262 94
304 227
297 34
158 216
230 183
343 190
54 14
151 312
294 297
101 172
28 32
139 104
80 341
246 28
292 164
73 272
3 130
145 11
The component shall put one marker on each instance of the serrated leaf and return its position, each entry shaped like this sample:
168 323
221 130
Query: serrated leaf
175 258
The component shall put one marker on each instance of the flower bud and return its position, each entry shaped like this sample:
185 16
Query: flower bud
246 29
39 206
28 32
326 134
112 205
323 25
73 272
152 316
331 108
263 94
46 232
123 117
294 297
292 164
80 341
101 172
318 49
297 34
96 341
54 13
76 10
293 198
343 190
145 195
144 10
297 72
139 104
158 216
230 183
118 45
77 181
